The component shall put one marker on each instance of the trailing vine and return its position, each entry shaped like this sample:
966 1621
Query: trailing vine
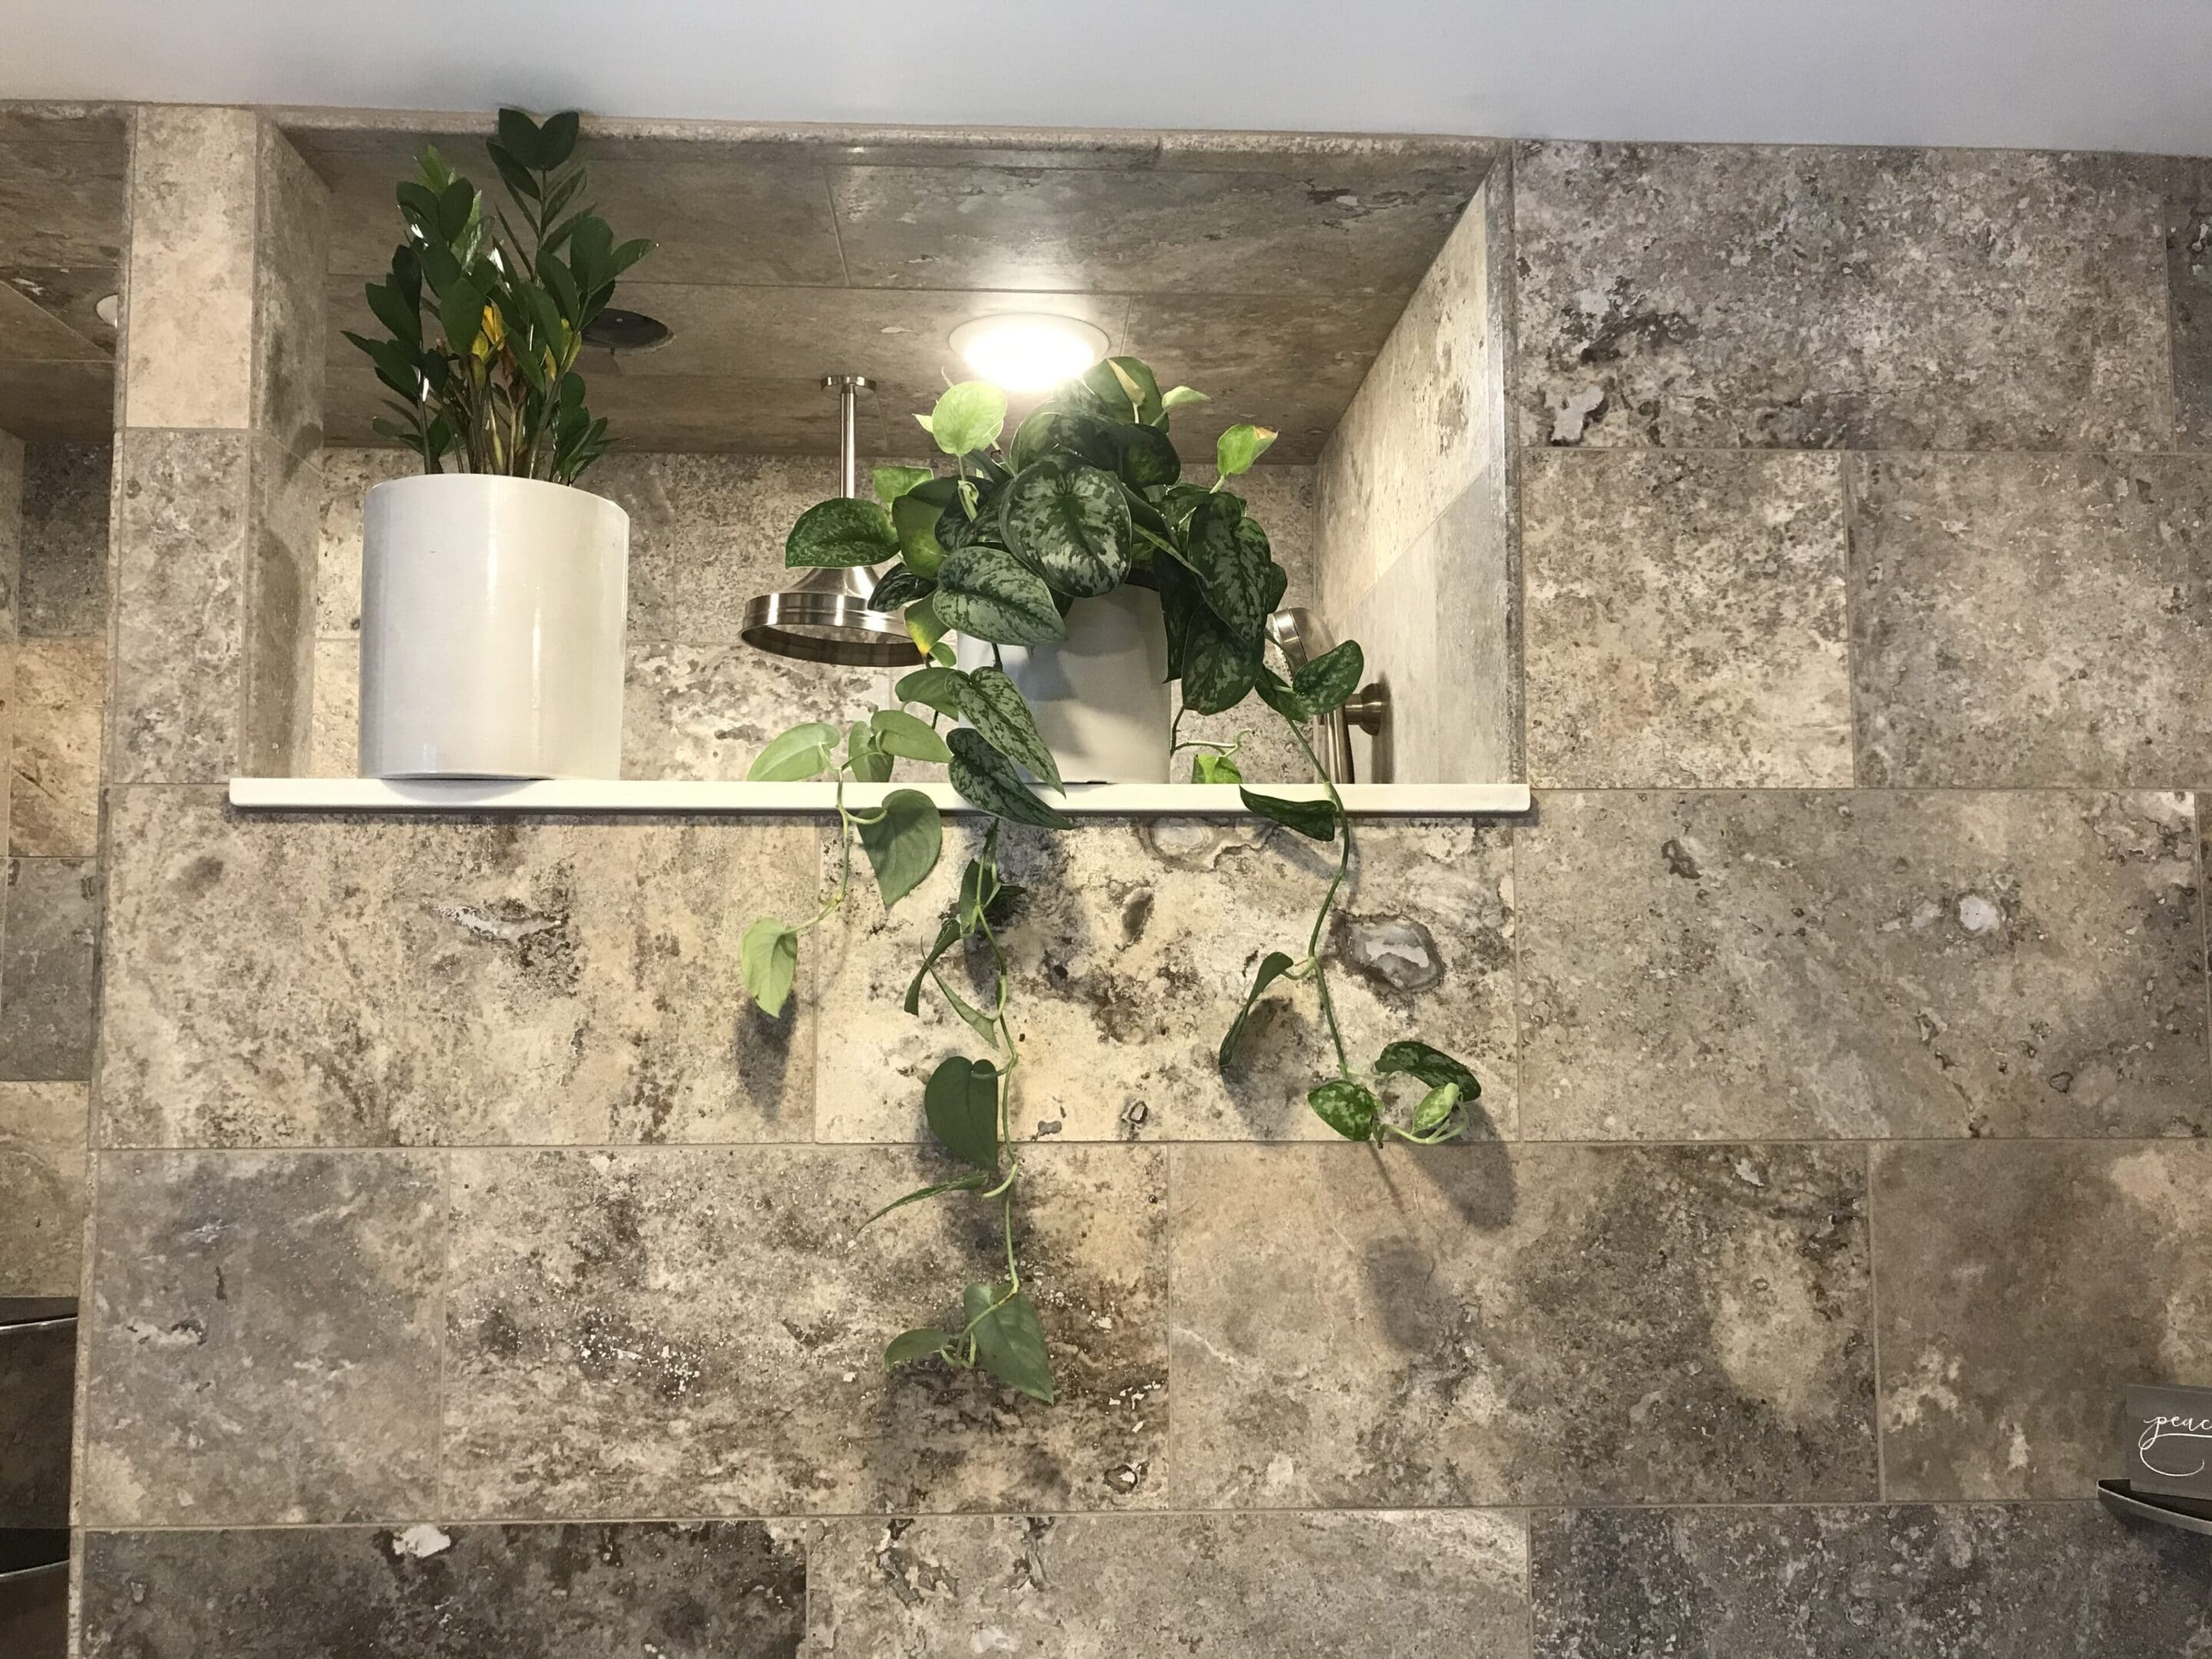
1087 496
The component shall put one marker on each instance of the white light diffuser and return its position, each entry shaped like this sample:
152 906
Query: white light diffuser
1029 352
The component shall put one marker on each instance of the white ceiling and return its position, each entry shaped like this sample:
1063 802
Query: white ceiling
2103 74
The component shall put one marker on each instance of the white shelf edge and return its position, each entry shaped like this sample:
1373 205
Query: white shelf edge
640 795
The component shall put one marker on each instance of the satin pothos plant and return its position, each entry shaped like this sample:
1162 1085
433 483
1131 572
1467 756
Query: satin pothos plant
1087 494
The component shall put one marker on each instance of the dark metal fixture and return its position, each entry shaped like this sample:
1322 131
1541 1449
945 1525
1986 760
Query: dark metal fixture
825 616
1303 638
625 330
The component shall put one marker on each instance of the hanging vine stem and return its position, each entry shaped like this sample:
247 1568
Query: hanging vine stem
1085 497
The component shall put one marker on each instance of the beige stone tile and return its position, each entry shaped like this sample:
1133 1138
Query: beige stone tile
63 584
629 1332
1132 952
2024 621
184 533
282 982
334 721
1807 1581
42 1188
2023 1285
53 803
1869 965
1439 1585
189 338
1482 1324
263 1338
47 959
1719 296
736 1590
1685 621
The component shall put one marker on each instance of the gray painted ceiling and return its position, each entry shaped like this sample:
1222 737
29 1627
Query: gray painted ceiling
2096 74
1266 273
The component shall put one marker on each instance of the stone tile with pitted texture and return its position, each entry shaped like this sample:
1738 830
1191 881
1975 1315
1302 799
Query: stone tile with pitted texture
1866 965
1484 1324
440 981
638 1332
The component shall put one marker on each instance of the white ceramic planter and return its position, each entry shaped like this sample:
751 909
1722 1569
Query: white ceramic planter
1101 696
491 629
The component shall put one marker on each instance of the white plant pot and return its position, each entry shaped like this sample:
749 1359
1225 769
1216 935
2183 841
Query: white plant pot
1101 696
491 629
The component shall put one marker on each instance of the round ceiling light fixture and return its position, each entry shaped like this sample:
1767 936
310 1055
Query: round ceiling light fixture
1025 351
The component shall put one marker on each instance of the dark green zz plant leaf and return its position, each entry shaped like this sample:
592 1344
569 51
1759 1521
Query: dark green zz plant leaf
1070 525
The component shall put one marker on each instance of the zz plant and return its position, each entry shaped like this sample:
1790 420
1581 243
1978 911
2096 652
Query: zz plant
485 319
1087 494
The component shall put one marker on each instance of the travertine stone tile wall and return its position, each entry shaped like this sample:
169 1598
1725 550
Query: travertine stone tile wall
1864 533
53 557
1415 550
1841 1010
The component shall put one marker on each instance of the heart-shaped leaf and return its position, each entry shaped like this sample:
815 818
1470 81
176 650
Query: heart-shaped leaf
1217 671
934 688
913 521
1146 456
804 751
1070 525
982 592
1053 430
864 755
1316 818
901 735
1176 396
968 418
1229 554
1431 1065
840 533
1272 967
961 1102
893 482
1207 767
768 958
899 588
1009 1340
983 776
1350 1109
904 841
993 705
1328 679
1235 450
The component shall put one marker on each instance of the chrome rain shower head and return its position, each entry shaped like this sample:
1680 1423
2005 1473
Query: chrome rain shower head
824 616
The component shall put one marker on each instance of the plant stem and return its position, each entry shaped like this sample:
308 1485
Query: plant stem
1328 900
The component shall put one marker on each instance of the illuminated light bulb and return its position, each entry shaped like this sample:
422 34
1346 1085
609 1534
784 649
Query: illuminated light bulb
1026 352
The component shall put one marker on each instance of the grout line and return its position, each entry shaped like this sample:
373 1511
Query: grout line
1874 1327
1528 1508
672 1148
1847 493
439 1305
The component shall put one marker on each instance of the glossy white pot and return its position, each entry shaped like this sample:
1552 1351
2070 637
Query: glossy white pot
491 629
1101 696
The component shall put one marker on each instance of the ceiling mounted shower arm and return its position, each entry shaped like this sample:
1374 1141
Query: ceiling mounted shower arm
1302 639
824 616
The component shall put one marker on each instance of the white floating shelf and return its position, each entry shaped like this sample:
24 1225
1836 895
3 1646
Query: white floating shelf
666 797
